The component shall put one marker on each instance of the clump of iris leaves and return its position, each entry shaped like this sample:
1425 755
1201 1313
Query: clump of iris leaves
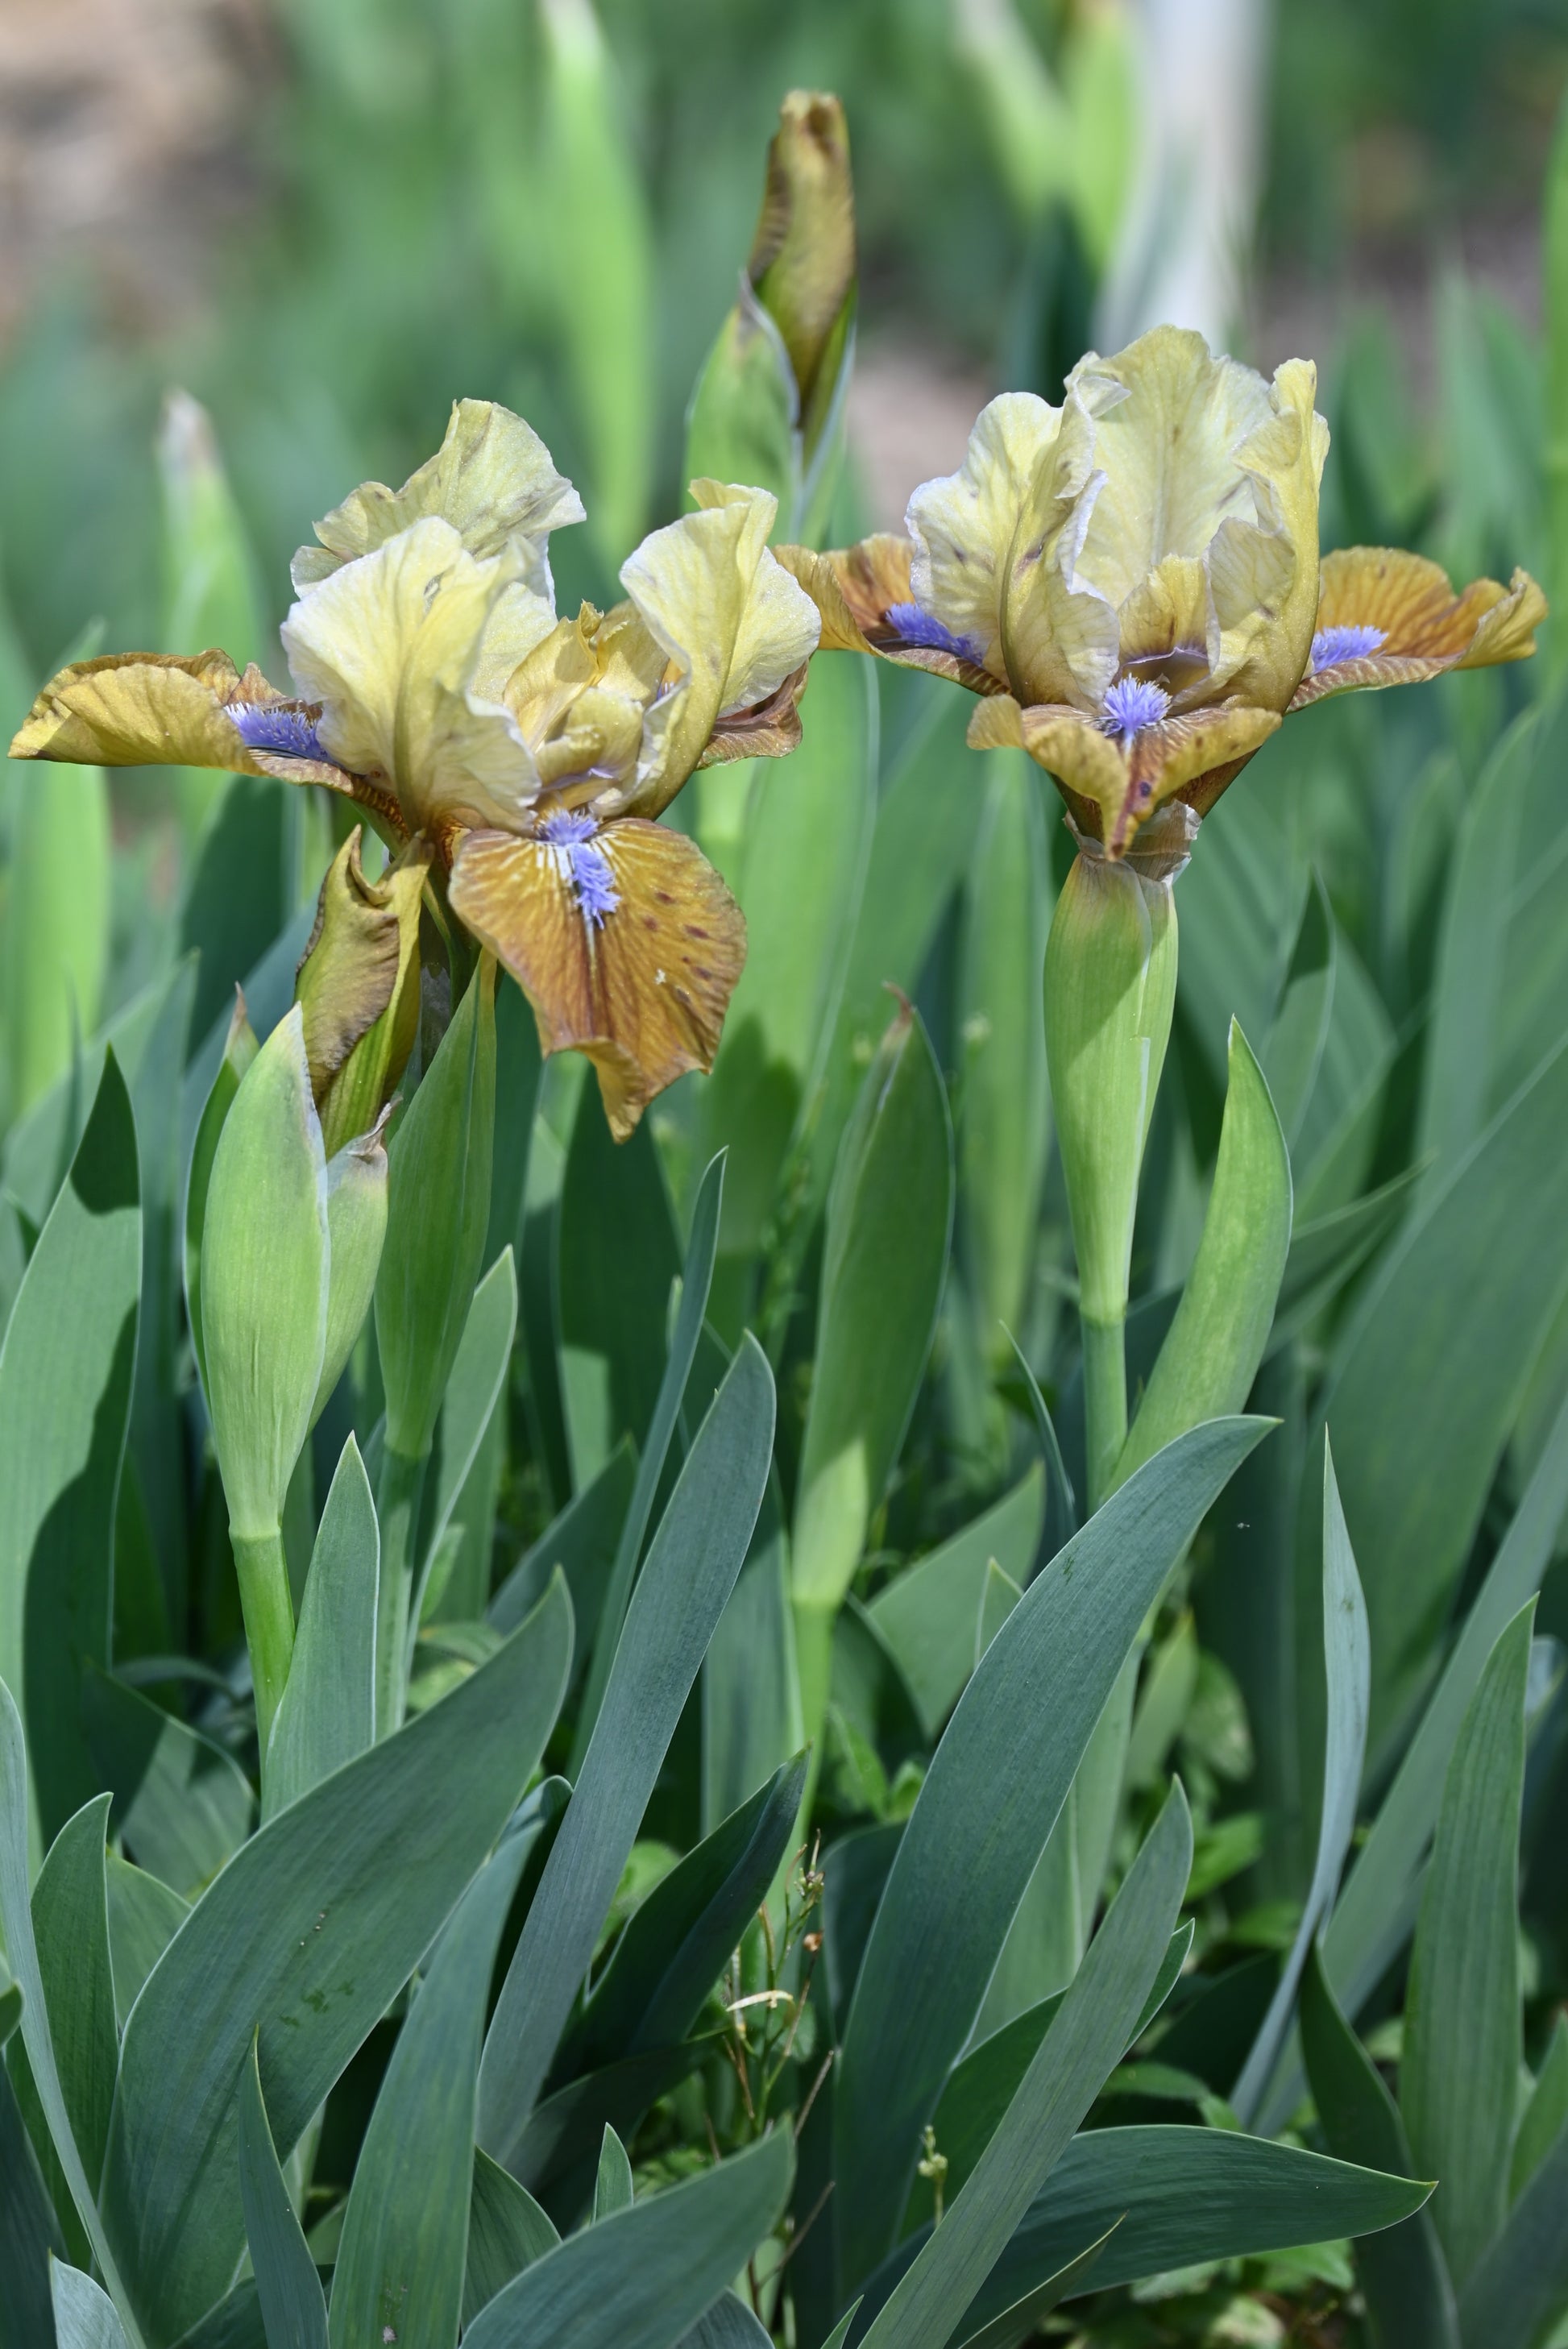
844 2056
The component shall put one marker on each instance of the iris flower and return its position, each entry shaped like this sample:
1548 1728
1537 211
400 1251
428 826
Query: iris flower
1132 582
522 758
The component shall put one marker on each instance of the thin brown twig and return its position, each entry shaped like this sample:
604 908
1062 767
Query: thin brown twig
799 2237
801 2116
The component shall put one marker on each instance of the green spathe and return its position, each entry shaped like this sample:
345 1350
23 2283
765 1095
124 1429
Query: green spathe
264 1287
264 1280
356 1228
438 1214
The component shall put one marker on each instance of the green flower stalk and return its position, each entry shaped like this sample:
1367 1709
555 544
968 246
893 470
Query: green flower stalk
437 1216
1110 990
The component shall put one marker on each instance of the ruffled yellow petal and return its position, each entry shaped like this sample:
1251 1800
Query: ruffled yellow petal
389 646
1114 788
1427 628
778 629
643 992
492 478
1203 460
732 626
154 710
965 526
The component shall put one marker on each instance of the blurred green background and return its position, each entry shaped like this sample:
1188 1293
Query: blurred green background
327 218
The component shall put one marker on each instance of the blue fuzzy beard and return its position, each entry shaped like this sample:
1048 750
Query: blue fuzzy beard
1332 645
290 733
1133 704
587 868
918 628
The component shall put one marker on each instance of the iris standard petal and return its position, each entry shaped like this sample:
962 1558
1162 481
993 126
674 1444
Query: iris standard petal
389 646
964 526
641 987
1205 461
492 479
732 623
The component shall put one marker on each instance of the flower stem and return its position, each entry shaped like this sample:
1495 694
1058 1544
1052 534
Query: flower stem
402 1486
1105 1403
268 1609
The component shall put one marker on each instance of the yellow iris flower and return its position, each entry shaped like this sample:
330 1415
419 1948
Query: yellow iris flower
1132 582
519 758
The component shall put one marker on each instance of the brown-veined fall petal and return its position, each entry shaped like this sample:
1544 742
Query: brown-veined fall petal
1427 627
153 709
643 993
852 588
1112 789
770 730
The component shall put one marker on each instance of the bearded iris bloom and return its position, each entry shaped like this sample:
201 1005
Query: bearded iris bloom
522 759
1131 581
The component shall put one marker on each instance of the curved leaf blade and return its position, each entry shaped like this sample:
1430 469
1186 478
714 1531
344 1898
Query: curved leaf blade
995 1789
691 1569
294 2307
640 2280
308 1934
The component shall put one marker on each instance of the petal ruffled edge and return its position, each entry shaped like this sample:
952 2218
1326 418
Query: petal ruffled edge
1112 790
492 478
1427 627
157 709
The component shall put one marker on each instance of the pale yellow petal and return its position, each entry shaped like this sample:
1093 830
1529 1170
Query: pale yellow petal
1060 631
492 478
643 993
519 623
389 646
1169 453
779 628
731 623
1203 462
965 526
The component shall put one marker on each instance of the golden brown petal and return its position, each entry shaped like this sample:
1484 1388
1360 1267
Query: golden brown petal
140 709
1113 789
155 709
852 588
643 993
770 730
1427 628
